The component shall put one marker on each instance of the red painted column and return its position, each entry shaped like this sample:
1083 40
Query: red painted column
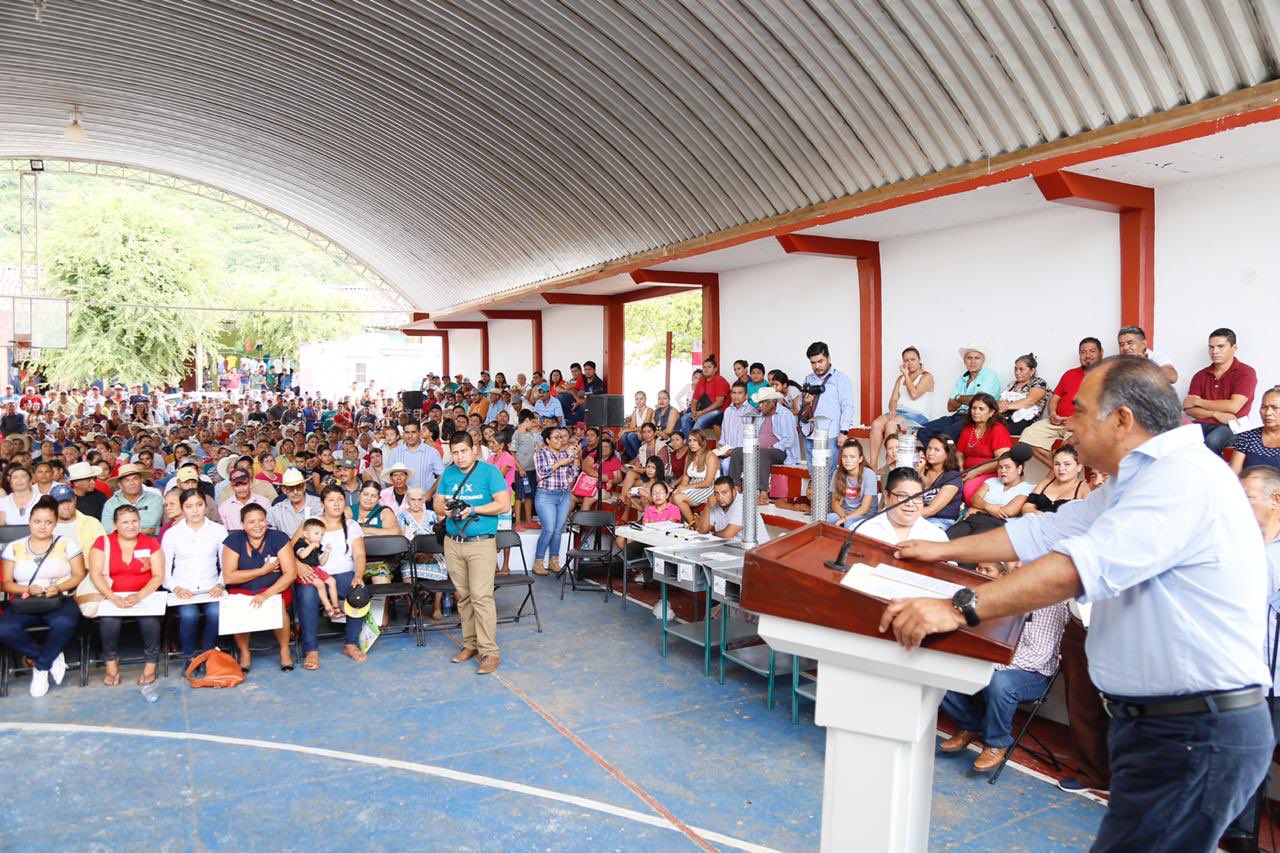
474 325
615 342
870 355
711 319
1136 206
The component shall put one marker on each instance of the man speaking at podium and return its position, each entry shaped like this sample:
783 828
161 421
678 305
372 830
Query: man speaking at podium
1169 555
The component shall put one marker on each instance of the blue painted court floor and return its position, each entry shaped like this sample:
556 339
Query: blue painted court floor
588 740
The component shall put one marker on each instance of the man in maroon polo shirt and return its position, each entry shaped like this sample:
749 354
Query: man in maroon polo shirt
1221 392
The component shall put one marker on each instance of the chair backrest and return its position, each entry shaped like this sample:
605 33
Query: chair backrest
381 547
593 519
425 543
508 539
12 532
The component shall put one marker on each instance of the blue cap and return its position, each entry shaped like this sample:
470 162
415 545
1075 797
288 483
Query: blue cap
61 493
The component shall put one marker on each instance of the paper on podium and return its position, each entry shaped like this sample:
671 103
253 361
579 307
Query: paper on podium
153 605
237 615
890 582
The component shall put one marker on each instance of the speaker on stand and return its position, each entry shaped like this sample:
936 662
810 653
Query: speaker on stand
604 410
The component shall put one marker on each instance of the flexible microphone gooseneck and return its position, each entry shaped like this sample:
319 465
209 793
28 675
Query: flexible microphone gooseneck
1020 453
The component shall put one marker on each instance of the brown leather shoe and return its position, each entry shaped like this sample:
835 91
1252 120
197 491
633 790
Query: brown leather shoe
989 759
539 568
488 664
958 741
463 656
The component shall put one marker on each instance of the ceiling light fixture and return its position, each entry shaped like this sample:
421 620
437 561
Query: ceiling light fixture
75 131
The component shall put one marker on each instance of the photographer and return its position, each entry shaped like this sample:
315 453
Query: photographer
472 494
826 393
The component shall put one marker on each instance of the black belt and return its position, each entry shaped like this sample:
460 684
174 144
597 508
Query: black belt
1227 700
473 538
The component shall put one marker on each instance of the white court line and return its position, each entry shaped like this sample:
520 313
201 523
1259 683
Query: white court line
395 764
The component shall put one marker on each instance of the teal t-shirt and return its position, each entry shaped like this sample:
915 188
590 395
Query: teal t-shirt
485 484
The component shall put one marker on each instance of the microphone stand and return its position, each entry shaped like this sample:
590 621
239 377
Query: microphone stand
1020 453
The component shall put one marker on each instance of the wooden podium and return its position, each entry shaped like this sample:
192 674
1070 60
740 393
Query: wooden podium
878 702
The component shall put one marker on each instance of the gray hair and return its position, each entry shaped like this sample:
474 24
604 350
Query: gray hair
1266 475
1137 384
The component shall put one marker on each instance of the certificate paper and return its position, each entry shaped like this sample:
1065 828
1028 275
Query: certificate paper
153 605
237 615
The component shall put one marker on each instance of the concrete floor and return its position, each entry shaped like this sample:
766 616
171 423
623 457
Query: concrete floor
588 740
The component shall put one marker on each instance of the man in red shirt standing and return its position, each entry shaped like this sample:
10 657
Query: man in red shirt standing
1042 434
710 399
1221 392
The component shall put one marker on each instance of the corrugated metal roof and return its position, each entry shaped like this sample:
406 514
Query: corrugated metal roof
464 148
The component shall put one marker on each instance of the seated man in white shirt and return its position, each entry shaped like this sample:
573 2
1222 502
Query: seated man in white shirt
1133 341
904 493
722 516
988 714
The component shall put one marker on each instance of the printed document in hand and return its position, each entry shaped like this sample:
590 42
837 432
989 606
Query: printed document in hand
237 615
152 605
889 582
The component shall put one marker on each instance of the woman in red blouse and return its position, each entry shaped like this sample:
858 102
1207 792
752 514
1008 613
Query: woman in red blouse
982 438
126 567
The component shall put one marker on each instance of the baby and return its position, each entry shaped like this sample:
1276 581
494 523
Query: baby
309 552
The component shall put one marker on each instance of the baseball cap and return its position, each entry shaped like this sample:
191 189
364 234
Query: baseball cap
187 474
61 493
358 602
239 476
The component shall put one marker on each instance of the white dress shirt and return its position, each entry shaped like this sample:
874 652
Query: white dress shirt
1168 553
193 558
881 528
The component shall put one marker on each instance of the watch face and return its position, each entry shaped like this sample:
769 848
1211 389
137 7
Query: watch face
963 597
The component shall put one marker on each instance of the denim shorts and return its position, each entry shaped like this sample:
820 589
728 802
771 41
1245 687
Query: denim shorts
526 487
915 417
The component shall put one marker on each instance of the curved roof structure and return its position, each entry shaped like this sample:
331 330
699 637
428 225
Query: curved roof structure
465 148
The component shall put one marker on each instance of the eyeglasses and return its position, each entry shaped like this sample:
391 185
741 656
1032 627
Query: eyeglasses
907 497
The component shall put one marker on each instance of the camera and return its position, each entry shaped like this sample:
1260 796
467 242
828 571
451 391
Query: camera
814 390
455 507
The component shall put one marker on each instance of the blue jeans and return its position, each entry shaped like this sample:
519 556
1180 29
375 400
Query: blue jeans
630 445
552 506
306 602
571 415
944 523
189 622
948 425
686 424
62 628
1217 437
990 711
1176 782
1247 822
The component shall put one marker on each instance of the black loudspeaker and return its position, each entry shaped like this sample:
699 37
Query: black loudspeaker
605 410
411 401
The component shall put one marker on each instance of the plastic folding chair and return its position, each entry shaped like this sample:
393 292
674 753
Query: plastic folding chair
588 524
510 539
1047 755
394 549
424 588
10 663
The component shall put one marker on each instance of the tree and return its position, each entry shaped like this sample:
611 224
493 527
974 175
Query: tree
120 249
649 321
281 334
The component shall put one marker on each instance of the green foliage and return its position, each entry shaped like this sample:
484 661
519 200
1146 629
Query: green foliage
124 250
280 334
649 321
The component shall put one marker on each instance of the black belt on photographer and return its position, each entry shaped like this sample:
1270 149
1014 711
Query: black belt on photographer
1227 700
472 538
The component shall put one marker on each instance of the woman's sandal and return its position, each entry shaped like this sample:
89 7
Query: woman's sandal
111 679
311 661
145 678
286 667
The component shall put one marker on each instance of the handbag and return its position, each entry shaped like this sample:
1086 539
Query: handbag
584 486
37 605
220 670
441 531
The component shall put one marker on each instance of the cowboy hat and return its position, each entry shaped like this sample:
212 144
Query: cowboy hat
399 466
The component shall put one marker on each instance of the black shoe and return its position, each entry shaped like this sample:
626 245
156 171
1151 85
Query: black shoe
286 667
245 669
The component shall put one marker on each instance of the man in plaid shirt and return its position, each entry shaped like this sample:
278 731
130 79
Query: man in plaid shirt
988 714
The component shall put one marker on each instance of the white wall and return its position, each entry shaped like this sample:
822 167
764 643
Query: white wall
771 313
1218 264
393 361
511 347
1034 283
464 352
571 333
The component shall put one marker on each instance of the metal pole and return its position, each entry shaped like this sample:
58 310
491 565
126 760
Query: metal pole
667 383
750 478
820 470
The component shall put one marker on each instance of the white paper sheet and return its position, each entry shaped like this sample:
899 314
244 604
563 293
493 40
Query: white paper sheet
889 582
196 598
153 605
237 615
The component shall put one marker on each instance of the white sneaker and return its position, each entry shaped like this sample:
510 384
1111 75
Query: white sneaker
39 682
58 669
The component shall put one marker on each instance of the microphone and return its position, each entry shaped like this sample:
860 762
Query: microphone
1020 453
